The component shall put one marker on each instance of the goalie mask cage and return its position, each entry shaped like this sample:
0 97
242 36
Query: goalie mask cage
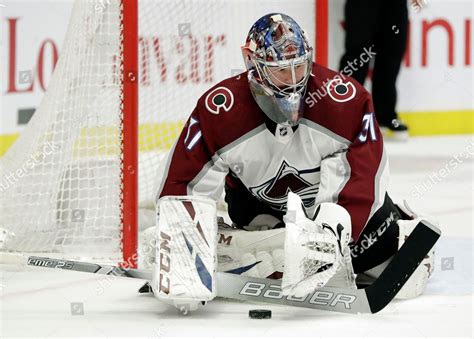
128 76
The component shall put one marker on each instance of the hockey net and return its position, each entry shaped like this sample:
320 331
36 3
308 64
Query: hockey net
66 171
69 175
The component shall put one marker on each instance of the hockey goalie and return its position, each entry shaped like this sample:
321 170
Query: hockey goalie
305 180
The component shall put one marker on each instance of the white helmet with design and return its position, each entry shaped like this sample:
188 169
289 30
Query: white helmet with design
278 58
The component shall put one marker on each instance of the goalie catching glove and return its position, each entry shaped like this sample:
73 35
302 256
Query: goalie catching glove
316 251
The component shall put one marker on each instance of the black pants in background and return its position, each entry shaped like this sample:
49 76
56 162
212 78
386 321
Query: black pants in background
382 24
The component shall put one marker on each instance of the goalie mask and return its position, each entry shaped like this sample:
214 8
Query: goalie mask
278 59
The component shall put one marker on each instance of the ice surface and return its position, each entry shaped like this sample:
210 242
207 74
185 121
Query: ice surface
41 302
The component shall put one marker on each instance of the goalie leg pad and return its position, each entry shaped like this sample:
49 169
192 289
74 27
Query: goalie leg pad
186 257
251 253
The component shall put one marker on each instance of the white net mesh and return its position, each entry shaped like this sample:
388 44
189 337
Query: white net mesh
64 171
184 50
62 178
61 181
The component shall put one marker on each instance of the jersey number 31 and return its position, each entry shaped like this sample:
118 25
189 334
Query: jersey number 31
368 128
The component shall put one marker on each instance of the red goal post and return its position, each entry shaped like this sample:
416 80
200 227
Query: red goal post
130 131
322 31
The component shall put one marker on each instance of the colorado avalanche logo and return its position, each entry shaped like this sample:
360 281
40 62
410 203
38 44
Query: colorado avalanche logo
221 97
288 178
341 91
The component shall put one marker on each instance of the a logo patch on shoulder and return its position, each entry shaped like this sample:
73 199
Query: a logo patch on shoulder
341 91
219 98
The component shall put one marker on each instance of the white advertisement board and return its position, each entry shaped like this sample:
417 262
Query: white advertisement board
436 74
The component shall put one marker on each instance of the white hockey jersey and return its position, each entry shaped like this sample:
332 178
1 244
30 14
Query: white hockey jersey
335 154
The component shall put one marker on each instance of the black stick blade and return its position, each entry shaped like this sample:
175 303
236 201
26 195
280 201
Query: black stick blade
402 266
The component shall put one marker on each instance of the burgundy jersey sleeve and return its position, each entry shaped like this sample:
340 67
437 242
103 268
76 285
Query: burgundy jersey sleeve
364 191
354 172
191 161
223 114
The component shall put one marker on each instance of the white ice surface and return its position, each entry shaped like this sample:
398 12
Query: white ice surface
37 302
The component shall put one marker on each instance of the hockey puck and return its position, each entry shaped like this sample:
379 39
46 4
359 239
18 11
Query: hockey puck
260 314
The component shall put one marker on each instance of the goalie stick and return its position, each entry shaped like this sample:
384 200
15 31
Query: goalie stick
370 299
